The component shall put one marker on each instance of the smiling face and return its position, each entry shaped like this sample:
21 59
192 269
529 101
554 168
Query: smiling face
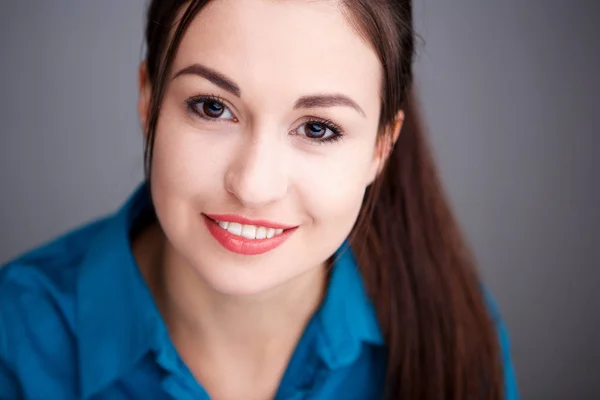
266 140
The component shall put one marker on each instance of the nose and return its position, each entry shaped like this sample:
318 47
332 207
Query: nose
257 176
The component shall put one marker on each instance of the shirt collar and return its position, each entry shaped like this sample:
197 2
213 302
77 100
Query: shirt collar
118 322
347 317
115 310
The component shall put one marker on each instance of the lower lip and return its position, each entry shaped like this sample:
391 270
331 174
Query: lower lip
241 245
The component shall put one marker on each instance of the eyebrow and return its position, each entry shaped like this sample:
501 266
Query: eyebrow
215 77
312 101
327 100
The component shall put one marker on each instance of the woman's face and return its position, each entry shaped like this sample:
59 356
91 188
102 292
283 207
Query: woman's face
269 121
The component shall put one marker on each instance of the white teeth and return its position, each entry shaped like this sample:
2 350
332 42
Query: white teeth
223 225
261 233
235 228
249 231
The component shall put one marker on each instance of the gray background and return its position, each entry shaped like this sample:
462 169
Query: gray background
510 90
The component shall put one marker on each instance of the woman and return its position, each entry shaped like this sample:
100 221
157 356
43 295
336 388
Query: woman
291 240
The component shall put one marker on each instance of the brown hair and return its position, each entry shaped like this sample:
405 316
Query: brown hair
440 338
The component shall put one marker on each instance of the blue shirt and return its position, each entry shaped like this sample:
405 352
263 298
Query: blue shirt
77 321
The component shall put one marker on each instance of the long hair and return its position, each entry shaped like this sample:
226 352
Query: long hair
440 337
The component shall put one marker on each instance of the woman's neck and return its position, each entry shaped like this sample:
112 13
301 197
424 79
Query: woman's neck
254 335
194 309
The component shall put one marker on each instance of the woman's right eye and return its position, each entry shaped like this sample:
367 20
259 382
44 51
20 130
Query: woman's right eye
210 109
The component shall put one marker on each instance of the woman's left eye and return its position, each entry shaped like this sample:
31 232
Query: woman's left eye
211 109
319 131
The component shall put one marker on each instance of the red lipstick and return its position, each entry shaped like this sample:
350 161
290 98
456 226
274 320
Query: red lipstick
241 245
246 221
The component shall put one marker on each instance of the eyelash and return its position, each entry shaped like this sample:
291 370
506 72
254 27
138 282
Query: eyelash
332 126
192 102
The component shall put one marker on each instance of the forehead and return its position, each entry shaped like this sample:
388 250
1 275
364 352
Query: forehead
283 46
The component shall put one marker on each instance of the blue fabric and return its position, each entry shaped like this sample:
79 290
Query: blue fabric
78 322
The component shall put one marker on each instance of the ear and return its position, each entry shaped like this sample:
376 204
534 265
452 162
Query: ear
144 95
384 147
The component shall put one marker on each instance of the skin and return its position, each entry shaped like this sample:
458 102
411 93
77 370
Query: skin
236 319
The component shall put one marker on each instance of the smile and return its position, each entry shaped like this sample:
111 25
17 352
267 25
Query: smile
249 231
247 237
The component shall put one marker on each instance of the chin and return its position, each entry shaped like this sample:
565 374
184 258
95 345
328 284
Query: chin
244 280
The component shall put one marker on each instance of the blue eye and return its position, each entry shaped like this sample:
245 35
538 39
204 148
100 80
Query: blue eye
209 108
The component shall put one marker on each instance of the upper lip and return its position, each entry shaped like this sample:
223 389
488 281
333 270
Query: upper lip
247 221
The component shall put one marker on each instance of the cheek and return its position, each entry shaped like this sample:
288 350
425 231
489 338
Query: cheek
332 189
185 163
187 171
